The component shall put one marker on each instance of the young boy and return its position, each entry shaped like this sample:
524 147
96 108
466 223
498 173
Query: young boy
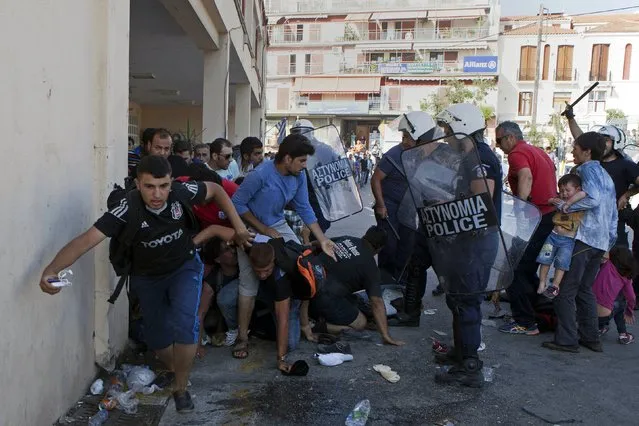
560 243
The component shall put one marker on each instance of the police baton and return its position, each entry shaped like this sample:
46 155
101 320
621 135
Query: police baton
583 95
392 228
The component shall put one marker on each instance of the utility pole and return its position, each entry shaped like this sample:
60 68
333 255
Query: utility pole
540 25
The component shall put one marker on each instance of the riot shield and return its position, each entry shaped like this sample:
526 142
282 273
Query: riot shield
473 248
331 175
631 151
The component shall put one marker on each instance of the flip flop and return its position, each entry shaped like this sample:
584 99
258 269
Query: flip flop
299 368
241 347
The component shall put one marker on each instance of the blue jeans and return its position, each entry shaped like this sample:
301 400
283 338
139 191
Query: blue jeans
169 305
557 248
227 302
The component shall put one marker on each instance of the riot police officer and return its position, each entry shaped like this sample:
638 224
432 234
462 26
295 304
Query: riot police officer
457 187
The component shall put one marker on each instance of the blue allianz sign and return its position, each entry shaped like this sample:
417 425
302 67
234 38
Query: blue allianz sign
480 63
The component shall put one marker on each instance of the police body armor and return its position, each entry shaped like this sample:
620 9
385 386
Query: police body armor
331 175
448 203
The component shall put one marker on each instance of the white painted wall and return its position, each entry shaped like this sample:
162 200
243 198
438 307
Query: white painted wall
67 127
620 94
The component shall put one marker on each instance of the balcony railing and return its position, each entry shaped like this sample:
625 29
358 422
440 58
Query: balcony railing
526 74
283 34
426 67
600 76
345 6
565 74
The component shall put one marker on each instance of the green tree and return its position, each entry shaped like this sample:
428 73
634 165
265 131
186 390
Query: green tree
456 92
614 114
558 126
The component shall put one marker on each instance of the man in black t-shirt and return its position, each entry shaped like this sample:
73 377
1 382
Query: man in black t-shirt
166 271
354 270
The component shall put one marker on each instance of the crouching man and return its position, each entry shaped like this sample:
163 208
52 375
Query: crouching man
166 271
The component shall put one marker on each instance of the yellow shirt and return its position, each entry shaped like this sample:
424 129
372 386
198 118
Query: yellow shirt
568 221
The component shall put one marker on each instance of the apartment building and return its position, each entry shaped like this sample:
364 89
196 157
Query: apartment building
74 71
358 64
575 53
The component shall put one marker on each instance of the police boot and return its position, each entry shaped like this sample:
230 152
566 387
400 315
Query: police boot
468 373
412 312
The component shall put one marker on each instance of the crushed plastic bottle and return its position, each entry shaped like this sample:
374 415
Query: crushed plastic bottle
127 402
63 280
139 377
359 415
99 418
97 387
488 373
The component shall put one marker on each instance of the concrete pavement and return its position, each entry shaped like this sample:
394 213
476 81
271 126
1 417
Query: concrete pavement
532 385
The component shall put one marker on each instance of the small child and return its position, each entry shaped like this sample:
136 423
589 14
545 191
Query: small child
615 278
560 243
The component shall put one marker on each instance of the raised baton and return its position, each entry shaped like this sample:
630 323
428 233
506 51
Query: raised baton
583 95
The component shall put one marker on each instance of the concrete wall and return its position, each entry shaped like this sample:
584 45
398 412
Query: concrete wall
174 118
63 98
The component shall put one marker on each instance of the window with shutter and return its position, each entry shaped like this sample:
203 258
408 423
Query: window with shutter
626 62
544 74
527 62
525 103
282 65
317 63
315 34
599 62
564 63
283 98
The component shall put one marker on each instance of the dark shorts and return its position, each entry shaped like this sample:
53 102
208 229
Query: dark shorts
557 248
336 310
169 305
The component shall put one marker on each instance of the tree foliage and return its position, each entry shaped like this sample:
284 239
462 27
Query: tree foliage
456 92
614 114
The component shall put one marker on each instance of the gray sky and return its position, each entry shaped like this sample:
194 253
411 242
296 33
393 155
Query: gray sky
531 7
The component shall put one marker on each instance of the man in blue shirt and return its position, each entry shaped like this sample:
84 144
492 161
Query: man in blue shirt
260 201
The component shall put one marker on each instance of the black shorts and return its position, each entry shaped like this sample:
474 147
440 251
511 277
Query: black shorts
334 309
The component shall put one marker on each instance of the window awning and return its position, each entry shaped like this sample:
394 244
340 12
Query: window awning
399 16
385 46
358 17
452 46
293 17
461 13
337 85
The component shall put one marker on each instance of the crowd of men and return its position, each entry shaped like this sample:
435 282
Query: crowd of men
206 238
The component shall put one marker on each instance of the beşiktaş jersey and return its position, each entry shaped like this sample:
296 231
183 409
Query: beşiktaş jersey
164 240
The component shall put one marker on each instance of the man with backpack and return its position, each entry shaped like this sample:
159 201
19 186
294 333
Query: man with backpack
152 233
291 273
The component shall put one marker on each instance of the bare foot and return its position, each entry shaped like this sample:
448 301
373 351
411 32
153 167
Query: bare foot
541 289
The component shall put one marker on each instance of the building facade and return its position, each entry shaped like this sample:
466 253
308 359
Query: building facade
358 64
575 53
78 77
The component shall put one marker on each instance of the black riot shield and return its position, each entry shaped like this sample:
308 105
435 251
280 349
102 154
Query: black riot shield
473 249
331 175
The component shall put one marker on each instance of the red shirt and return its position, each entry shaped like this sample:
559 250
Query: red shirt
210 214
544 184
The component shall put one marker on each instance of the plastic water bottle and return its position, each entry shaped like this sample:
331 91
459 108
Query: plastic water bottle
488 373
97 387
63 280
99 418
359 415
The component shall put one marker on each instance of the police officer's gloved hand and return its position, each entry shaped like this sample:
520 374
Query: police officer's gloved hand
569 113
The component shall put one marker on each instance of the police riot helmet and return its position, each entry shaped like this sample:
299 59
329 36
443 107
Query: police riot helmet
419 125
463 119
616 135
303 126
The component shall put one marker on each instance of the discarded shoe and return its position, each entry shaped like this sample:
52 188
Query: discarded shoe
387 373
331 360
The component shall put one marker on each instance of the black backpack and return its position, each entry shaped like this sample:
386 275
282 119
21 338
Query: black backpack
121 247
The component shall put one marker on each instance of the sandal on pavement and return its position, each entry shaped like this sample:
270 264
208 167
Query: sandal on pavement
241 349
